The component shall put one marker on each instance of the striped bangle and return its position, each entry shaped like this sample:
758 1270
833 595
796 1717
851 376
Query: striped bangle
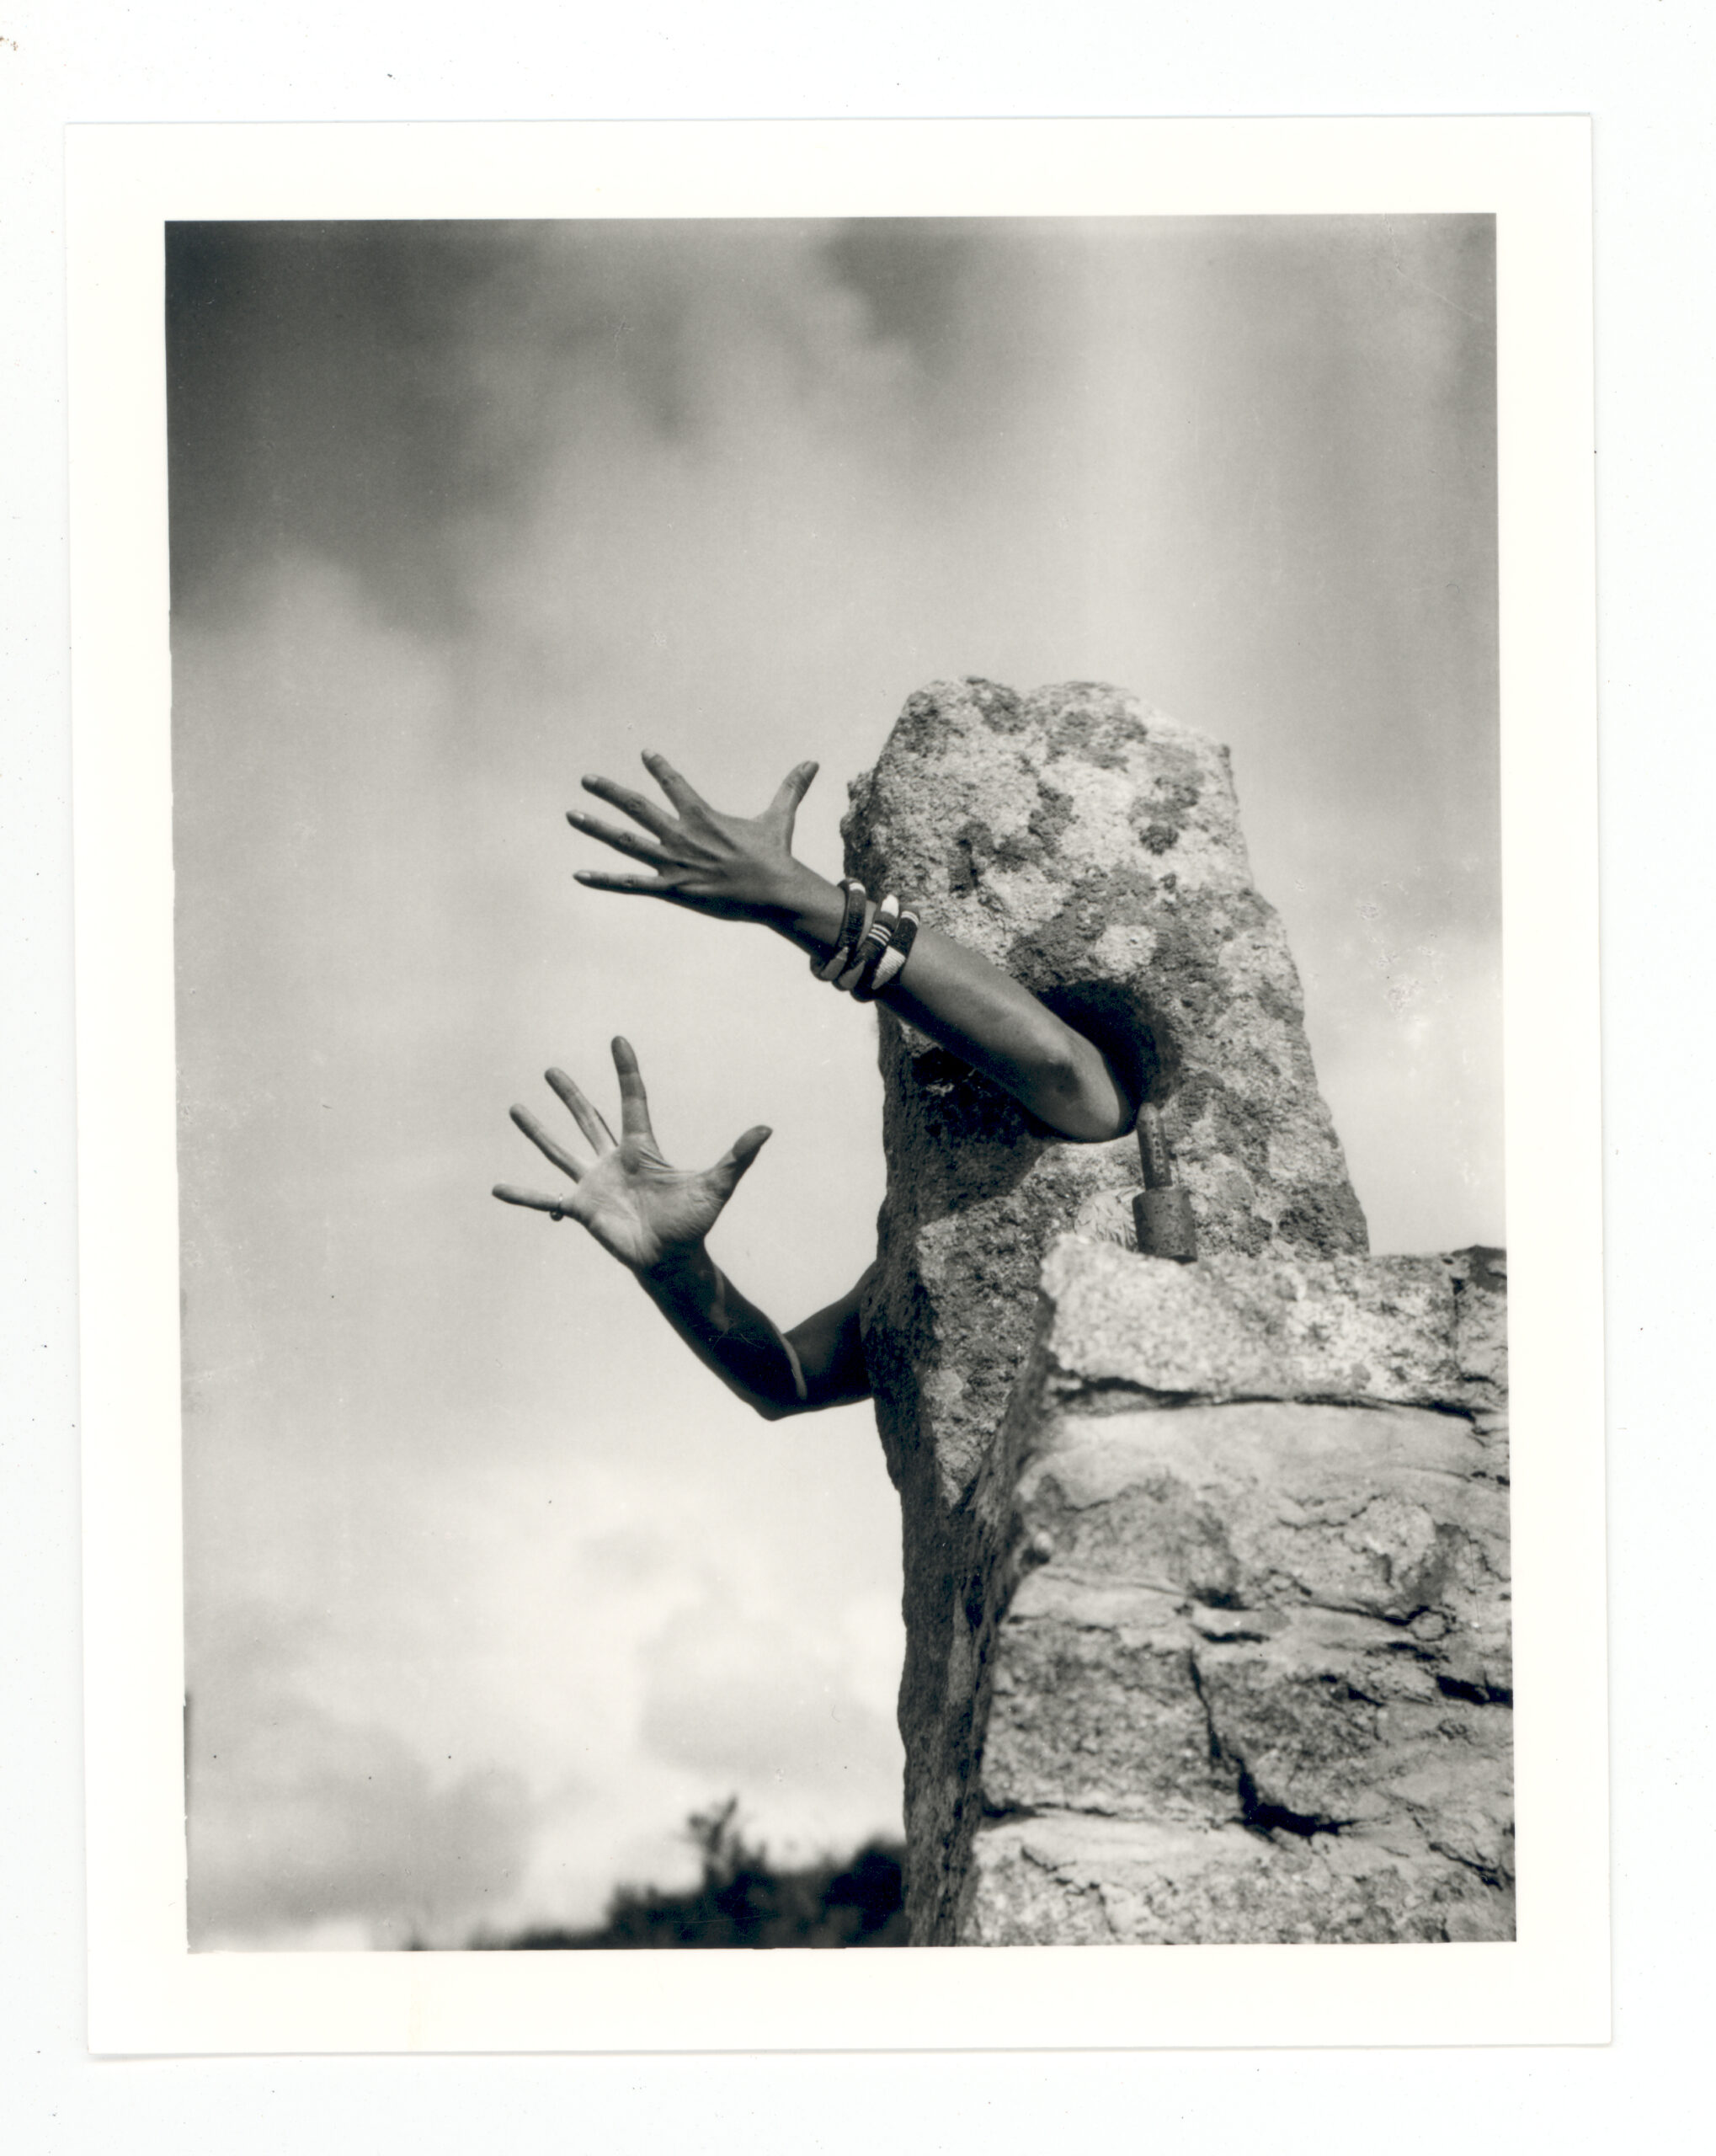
871 944
892 963
851 927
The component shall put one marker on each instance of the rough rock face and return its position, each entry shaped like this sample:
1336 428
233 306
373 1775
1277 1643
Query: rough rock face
1240 1647
1091 847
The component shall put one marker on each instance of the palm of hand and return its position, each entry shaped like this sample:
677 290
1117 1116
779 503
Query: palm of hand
640 1209
638 1205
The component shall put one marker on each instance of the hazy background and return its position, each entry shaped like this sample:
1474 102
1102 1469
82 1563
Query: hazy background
488 1583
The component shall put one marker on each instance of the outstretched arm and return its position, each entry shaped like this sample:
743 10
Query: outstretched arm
654 1218
743 868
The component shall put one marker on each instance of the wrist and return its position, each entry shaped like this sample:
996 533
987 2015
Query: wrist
676 1267
810 907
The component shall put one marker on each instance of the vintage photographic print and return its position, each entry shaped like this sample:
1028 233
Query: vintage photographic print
479 532
672 1457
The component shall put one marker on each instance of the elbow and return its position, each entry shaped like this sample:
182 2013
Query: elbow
829 1392
775 1407
770 1395
777 1411
1081 1096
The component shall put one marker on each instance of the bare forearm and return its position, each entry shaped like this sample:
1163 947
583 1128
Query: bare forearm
743 868
747 1351
654 1218
980 1013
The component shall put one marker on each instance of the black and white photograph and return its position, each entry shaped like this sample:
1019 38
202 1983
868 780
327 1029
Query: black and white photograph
842 1139
1129 587
856 869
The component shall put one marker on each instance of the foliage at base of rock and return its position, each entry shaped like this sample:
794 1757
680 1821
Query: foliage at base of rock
743 1900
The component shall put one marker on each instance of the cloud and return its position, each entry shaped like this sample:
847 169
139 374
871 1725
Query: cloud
304 1825
459 513
1410 1065
752 1702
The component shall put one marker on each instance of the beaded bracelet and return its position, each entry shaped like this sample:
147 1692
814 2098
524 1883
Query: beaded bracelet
892 961
851 927
871 946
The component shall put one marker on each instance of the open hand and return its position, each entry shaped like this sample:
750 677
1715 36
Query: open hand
736 867
638 1207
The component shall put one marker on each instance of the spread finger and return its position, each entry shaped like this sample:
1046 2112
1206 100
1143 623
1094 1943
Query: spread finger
677 790
622 841
563 1208
568 1163
647 887
792 789
634 1102
738 1156
588 1119
634 805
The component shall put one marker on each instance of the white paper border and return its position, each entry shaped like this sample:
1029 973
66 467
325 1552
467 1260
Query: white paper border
148 1994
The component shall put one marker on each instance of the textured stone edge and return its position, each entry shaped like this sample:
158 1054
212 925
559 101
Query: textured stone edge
1397 1331
1453 1311
1072 1880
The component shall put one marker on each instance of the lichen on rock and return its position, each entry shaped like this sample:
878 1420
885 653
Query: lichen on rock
1091 846
1244 1671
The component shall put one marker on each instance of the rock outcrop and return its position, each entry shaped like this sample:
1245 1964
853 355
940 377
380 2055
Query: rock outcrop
1243 1668
1091 847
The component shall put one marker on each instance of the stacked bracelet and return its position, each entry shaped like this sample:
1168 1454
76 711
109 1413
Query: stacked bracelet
866 954
865 960
892 962
851 927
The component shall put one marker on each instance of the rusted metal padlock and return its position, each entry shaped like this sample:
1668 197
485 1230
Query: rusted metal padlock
1162 1210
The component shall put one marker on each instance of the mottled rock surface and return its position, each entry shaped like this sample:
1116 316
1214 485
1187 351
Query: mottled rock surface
1091 846
1240 1642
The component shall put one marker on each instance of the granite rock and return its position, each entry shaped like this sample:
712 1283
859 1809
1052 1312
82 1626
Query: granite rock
1241 1657
1091 847
1104 1882
1410 1331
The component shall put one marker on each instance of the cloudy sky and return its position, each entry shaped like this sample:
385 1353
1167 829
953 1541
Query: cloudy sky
488 1583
